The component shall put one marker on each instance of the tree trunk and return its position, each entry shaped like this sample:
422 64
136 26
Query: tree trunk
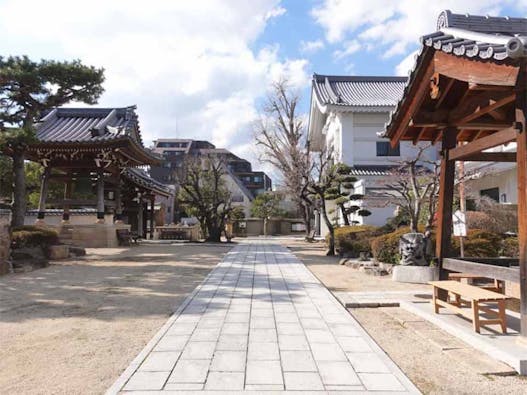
329 225
344 215
307 218
265 226
19 203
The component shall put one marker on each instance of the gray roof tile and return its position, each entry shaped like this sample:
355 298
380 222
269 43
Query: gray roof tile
360 91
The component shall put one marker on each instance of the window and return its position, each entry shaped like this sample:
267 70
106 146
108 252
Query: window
384 149
492 193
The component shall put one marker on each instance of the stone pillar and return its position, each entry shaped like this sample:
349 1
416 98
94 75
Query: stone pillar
100 196
67 196
118 203
152 216
140 215
43 195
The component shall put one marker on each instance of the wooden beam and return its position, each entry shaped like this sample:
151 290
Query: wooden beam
446 198
476 146
494 88
483 125
521 141
415 97
438 137
474 71
492 157
497 268
478 108
419 135
444 92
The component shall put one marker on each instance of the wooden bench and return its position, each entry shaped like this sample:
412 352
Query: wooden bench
125 237
498 286
465 294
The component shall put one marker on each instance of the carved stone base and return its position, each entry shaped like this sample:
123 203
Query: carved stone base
415 274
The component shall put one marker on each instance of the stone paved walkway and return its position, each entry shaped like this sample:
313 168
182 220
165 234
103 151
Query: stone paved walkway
262 322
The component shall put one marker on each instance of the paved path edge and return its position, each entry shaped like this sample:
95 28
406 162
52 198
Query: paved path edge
121 381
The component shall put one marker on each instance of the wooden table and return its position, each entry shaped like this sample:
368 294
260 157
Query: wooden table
499 286
474 296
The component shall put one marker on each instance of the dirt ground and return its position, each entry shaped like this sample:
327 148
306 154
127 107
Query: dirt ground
75 326
437 362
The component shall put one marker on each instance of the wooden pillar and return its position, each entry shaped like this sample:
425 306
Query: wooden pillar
118 203
100 196
521 159
152 215
67 196
140 215
44 184
446 199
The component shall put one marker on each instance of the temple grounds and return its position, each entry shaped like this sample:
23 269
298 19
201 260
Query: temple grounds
74 327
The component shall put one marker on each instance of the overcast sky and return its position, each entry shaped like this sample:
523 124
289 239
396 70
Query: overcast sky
199 69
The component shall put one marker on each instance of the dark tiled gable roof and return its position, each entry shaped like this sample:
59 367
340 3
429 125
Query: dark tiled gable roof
85 125
360 91
479 36
373 170
141 178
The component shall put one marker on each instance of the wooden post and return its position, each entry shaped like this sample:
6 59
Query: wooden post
462 205
67 195
152 215
521 159
446 199
43 195
100 196
118 203
140 215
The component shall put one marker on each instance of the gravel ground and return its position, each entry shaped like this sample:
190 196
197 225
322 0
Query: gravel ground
73 327
437 362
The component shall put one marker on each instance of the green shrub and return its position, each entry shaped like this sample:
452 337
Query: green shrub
509 247
385 248
479 243
353 240
33 236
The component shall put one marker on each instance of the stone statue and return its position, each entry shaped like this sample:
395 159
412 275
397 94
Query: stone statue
414 249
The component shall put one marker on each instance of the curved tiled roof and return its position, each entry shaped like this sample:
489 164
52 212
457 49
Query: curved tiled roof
372 170
360 91
79 125
141 178
498 39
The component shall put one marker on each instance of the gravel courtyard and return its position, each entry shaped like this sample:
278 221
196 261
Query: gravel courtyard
73 327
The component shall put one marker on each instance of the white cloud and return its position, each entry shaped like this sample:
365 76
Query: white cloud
407 64
311 46
349 48
390 26
187 60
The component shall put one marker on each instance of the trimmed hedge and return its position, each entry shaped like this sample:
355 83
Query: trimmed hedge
33 236
510 247
353 240
478 243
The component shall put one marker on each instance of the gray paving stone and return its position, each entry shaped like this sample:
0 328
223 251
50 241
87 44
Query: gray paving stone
146 381
190 371
328 352
263 323
235 328
297 361
354 344
225 381
232 343
181 329
264 372
161 361
262 335
228 361
172 343
287 317
237 317
263 352
293 342
319 336
303 381
338 373
183 386
205 334
313 323
343 330
381 382
198 350
285 328
367 362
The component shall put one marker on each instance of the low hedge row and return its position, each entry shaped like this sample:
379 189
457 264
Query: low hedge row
33 236
352 240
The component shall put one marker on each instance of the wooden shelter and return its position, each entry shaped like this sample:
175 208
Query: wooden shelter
467 91
97 151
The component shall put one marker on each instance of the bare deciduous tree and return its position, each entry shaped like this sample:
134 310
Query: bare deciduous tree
281 134
415 188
